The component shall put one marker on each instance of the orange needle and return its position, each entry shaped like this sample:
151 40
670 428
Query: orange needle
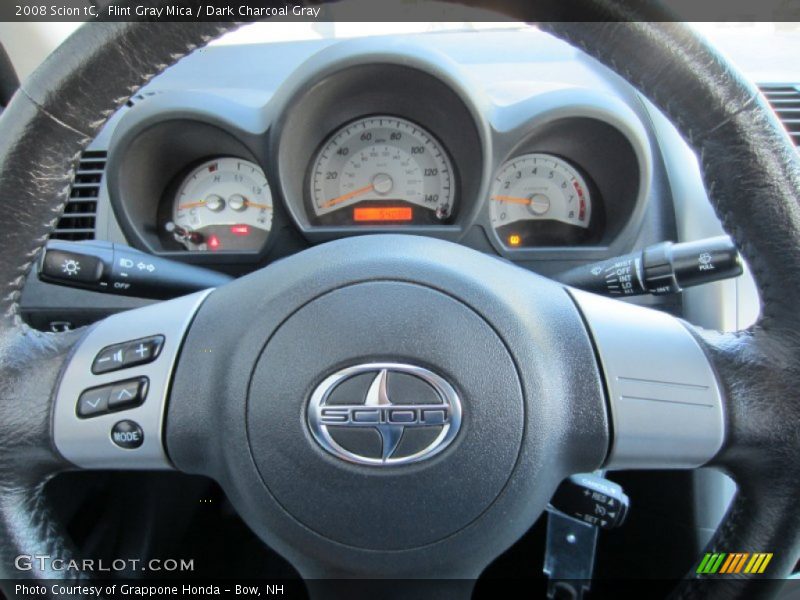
347 196
255 205
512 200
202 203
191 205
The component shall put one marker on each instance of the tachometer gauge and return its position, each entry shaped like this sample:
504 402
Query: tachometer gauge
224 204
540 199
381 170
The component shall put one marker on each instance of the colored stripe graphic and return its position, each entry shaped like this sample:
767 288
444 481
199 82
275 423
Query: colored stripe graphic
729 562
741 562
704 563
725 563
711 563
726 566
734 563
758 563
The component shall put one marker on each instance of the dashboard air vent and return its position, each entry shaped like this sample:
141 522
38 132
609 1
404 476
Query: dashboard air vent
785 99
78 220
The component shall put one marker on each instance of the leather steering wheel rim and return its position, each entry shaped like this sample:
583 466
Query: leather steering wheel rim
750 168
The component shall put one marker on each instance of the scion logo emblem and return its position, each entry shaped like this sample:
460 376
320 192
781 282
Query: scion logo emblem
384 414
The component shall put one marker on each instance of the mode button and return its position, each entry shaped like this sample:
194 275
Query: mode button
127 434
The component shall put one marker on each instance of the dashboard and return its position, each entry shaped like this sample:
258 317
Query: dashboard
381 135
509 142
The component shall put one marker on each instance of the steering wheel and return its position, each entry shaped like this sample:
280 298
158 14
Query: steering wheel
488 384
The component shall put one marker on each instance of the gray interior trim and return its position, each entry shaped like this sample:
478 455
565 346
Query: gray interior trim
664 397
87 442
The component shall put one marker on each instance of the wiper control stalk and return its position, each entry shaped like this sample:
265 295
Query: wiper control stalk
664 268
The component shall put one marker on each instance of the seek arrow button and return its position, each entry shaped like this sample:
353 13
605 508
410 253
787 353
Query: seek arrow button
128 394
93 402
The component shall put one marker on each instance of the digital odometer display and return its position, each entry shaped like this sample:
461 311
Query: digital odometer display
383 214
381 170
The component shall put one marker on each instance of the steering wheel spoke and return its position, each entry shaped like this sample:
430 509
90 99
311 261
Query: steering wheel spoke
665 401
110 404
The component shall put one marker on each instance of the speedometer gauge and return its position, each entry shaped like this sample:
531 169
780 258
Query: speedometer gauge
224 204
381 170
540 199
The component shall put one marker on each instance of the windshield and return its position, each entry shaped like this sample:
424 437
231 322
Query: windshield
270 32
765 52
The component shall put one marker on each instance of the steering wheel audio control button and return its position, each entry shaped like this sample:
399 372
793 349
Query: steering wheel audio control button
128 354
93 402
128 394
113 397
127 434
147 340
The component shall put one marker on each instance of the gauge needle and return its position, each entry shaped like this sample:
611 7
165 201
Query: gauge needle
256 205
347 196
202 203
512 200
191 205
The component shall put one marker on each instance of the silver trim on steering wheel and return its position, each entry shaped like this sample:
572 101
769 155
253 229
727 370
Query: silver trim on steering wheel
89 441
664 397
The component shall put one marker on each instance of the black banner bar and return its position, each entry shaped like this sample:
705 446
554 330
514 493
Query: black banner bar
368 589
385 11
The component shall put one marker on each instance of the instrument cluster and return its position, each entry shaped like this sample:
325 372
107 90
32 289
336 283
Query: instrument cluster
380 148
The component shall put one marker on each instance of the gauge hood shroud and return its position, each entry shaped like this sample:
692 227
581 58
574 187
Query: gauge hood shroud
338 86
